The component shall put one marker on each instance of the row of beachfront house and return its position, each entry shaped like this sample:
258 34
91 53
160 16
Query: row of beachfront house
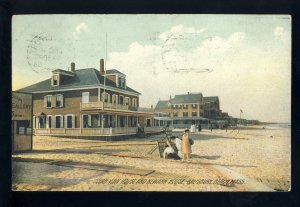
98 102
185 110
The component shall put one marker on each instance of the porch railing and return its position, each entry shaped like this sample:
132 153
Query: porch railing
91 105
101 105
153 129
93 131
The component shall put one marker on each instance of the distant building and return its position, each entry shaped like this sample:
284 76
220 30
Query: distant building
211 107
183 110
87 102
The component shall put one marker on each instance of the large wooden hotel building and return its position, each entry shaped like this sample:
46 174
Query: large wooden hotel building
87 102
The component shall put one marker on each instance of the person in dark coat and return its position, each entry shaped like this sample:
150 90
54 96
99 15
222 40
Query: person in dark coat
199 128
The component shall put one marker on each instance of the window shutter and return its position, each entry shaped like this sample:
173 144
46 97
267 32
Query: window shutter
53 101
53 124
38 122
129 101
73 121
61 121
66 121
102 97
33 122
108 98
62 101
47 121
45 101
89 120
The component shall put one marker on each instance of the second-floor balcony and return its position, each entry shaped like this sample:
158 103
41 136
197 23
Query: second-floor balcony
99 105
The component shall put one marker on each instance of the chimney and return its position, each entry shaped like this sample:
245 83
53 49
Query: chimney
73 67
188 93
151 106
102 66
170 97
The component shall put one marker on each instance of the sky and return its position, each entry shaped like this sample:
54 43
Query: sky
243 59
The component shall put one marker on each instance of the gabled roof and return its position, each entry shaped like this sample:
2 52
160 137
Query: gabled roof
162 104
211 99
187 98
88 77
113 71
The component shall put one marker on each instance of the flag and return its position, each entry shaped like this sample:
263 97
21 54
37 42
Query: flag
241 110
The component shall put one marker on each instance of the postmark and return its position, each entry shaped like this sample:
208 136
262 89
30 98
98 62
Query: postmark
44 52
176 60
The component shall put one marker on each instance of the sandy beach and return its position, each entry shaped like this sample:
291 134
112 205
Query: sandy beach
251 158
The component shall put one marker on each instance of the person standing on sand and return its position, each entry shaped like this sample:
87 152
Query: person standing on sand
186 147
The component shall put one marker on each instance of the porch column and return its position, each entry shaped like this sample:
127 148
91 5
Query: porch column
102 120
137 120
116 120
99 120
81 123
127 121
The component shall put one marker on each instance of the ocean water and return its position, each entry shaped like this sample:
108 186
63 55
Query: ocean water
280 125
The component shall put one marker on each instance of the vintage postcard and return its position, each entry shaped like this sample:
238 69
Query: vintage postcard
151 102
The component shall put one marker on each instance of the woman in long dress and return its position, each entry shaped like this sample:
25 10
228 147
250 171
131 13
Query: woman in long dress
186 147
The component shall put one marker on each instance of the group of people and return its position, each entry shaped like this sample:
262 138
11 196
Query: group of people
179 148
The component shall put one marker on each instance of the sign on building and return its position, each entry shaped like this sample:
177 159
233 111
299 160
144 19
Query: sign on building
21 121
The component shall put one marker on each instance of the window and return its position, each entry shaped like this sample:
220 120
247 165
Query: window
185 114
122 82
23 127
175 114
48 100
121 100
59 101
115 99
194 106
69 121
185 106
59 121
126 101
55 80
105 97
194 113
85 97
134 102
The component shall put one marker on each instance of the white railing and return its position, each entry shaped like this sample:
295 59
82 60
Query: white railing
124 130
93 131
115 106
96 131
153 129
91 105
42 131
100 105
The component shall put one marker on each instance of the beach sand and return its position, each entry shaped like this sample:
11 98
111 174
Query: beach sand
244 159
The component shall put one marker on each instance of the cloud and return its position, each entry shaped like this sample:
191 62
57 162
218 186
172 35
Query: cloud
81 27
238 68
180 30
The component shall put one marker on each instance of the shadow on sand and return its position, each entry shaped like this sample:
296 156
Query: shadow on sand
71 150
209 136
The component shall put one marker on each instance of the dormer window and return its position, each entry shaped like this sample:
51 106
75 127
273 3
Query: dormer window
122 82
55 80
